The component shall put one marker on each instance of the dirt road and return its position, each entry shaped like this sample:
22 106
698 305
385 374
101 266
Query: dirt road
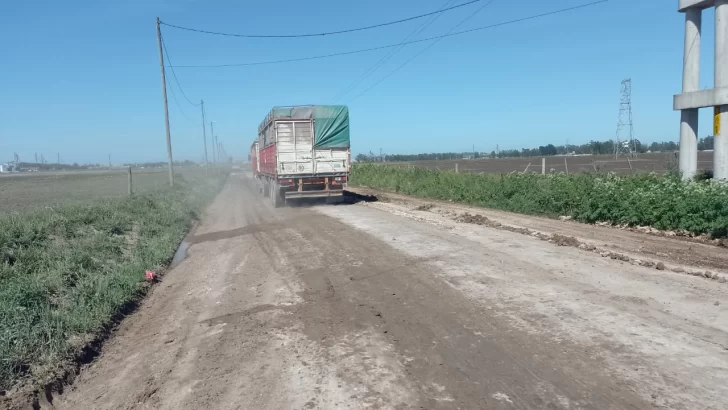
360 306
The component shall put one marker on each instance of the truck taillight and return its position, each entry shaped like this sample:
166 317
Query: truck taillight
339 180
286 182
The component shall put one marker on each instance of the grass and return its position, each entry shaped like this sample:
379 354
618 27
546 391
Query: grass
662 201
66 272
20 192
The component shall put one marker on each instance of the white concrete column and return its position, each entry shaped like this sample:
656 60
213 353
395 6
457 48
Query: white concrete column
720 153
691 82
688 143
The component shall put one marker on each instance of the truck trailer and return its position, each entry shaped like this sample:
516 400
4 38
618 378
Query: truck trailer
302 152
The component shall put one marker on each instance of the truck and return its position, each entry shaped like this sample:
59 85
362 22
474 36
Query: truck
302 152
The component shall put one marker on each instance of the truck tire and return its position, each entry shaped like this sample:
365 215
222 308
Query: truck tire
266 188
275 195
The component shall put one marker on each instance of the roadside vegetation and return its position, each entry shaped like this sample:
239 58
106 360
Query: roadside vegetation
661 201
66 272
24 191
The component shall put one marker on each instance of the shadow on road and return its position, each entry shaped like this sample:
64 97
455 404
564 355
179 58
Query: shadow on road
348 198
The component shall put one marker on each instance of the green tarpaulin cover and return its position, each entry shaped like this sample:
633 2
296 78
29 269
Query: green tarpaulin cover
331 123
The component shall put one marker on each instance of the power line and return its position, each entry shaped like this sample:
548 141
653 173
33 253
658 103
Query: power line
351 30
391 54
174 97
457 33
176 80
422 51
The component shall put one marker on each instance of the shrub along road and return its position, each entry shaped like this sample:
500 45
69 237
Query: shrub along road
362 307
656 200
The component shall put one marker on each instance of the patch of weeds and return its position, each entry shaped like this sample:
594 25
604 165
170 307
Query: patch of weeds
562 240
425 207
473 219
67 271
661 201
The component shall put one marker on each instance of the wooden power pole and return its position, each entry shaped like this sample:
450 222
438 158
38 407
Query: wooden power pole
212 136
204 133
166 108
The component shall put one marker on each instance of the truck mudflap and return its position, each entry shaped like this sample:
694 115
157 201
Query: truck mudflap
314 194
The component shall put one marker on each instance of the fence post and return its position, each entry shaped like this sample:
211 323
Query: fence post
543 166
456 168
129 179
566 166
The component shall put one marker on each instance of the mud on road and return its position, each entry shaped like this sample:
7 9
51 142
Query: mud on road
372 306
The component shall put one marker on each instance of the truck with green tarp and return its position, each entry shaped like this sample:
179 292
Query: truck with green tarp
303 152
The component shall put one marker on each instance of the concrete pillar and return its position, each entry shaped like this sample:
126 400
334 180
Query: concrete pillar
688 143
691 82
720 153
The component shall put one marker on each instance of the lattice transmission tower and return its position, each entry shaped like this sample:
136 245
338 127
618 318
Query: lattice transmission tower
625 144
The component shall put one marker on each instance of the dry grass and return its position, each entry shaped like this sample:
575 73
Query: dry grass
22 192
67 270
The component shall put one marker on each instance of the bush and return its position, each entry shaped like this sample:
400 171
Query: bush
660 201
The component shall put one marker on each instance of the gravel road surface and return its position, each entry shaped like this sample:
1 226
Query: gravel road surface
377 306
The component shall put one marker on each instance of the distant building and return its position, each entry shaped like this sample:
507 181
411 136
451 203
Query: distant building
8 167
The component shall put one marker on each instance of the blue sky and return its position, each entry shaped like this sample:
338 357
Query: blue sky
81 78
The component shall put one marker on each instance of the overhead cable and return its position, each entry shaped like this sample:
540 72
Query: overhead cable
457 33
179 106
164 45
328 33
421 51
390 54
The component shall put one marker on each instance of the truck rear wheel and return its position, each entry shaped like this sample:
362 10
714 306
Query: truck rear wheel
275 195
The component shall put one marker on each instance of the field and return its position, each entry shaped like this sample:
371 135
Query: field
74 249
588 163
643 199
22 192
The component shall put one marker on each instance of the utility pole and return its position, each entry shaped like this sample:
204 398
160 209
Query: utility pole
166 108
36 157
59 158
624 120
109 161
204 133
212 136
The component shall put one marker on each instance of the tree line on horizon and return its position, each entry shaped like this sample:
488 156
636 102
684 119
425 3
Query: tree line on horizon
590 148
25 166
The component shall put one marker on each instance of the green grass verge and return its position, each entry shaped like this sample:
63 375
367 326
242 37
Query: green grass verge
66 272
657 200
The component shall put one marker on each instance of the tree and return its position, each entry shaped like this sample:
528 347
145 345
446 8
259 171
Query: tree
705 143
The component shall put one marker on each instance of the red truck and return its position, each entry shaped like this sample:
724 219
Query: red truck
302 152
